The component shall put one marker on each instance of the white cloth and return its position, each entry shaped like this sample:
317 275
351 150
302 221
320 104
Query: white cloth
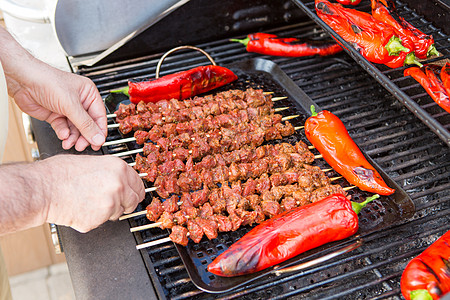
5 290
3 112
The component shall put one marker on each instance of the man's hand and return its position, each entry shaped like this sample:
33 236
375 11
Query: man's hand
69 102
86 191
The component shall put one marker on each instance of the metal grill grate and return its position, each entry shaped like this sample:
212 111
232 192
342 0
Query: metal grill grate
405 89
394 137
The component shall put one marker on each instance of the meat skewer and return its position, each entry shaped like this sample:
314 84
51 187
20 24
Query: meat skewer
117 125
213 169
246 134
174 111
144 212
157 128
209 223
273 99
195 180
226 100
158 224
152 158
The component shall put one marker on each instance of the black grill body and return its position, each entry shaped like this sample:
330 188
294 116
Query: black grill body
104 263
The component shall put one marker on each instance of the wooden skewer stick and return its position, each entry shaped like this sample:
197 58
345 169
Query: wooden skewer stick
349 188
136 214
153 243
280 109
115 125
278 98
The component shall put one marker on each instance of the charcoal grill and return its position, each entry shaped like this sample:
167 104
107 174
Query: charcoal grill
104 264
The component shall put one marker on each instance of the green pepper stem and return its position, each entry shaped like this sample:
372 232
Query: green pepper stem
123 91
244 41
432 51
313 111
420 295
411 59
394 46
358 206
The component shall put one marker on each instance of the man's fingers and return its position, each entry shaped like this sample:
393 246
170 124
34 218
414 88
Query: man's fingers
87 127
60 126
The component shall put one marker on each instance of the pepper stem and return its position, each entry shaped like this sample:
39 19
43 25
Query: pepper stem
123 91
313 111
244 41
394 46
358 206
432 51
411 59
420 295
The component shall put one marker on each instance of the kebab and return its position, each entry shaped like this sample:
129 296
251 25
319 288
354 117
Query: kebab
263 195
238 210
174 111
173 177
224 139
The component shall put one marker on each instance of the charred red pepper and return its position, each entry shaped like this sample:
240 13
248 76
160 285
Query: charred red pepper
270 44
429 78
427 276
330 137
376 41
181 85
445 77
289 234
384 11
423 44
349 2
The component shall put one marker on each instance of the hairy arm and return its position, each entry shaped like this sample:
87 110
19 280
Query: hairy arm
21 200
79 191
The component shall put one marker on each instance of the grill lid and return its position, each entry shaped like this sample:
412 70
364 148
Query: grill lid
100 27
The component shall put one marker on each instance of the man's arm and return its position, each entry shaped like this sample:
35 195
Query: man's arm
19 182
79 191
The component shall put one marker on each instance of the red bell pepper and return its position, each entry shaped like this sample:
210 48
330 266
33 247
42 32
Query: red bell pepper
445 77
429 78
349 2
270 44
330 137
180 86
376 41
289 234
427 276
422 44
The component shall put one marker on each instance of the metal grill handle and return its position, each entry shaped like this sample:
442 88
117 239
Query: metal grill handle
158 67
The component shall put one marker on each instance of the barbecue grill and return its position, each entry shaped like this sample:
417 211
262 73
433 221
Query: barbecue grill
390 117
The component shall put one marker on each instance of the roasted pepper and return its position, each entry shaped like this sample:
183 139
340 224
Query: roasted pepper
429 78
270 44
330 137
349 2
289 234
422 44
181 85
445 77
376 41
427 276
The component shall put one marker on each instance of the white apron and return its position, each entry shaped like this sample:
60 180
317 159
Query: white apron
5 292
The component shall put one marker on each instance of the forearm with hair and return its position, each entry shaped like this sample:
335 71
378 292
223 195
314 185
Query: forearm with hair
15 60
22 198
